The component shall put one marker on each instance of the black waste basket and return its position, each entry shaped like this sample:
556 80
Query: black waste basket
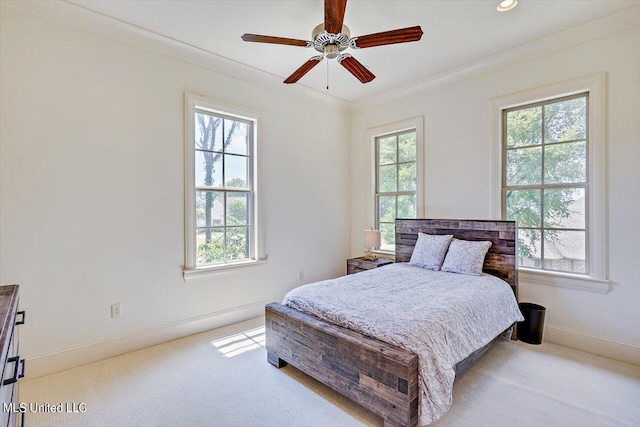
530 331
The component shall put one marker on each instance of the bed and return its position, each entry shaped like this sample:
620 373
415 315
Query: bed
379 375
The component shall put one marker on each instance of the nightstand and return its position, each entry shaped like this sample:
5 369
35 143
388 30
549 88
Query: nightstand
356 265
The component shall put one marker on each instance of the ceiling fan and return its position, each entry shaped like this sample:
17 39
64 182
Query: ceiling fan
332 38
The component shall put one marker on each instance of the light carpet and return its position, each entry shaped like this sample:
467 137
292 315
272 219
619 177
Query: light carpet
221 378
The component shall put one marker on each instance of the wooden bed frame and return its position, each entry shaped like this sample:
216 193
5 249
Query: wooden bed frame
379 376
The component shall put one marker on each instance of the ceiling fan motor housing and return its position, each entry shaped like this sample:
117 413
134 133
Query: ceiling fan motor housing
330 44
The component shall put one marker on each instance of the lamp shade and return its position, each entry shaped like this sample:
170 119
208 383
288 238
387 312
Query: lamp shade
372 238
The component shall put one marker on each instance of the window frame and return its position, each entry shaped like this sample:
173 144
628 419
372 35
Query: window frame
193 104
596 278
395 128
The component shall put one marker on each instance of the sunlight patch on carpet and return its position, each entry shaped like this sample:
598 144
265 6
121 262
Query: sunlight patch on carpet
236 344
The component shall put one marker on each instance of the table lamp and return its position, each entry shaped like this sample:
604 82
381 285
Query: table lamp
372 240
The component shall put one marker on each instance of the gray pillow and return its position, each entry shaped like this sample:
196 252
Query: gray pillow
466 257
430 250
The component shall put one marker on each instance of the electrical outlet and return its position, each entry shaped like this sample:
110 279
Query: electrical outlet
116 310
301 275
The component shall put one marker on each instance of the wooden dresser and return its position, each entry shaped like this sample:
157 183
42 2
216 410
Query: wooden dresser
11 363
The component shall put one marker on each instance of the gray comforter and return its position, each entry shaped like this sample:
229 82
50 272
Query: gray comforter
441 317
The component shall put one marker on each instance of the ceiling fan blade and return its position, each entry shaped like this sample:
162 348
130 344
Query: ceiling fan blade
304 69
334 15
403 35
275 40
356 68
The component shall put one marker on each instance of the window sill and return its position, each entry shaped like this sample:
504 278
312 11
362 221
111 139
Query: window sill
197 273
564 280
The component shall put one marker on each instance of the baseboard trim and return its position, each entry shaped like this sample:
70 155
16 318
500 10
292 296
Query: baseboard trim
57 361
613 349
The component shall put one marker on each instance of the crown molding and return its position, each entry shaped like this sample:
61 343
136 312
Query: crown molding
601 27
84 19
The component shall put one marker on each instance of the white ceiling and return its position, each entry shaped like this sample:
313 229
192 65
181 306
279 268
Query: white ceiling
455 33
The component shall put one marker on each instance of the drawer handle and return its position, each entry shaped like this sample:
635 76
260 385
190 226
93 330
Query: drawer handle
23 362
24 316
16 366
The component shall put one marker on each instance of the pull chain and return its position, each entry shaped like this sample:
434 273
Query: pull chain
327 75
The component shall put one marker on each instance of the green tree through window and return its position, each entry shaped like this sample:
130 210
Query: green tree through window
223 188
396 183
545 182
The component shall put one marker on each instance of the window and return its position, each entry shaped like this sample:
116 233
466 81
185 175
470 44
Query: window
396 182
545 182
550 176
221 187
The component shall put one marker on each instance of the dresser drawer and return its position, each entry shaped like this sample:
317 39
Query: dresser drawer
352 269
6 390
12 365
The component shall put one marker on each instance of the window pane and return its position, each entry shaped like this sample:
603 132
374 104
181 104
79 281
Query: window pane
564 208
565 163
237 137
524 206
552 219
524 127
388 178
237 209
396 172
388 236
566 120
407 176
565 251
236 171
208 169
237 243
386 208
407 206
387 150
223 190
209 245
529 248
524 166
407 147
208 134
209 208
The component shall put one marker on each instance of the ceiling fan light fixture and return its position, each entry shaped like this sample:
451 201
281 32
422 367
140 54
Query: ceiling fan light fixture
506 5
331 51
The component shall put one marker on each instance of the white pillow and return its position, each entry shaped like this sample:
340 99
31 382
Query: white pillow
430 250
466 257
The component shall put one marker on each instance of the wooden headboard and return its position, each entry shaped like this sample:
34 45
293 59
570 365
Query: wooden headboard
501 258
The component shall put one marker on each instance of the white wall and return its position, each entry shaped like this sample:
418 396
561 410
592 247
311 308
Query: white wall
91 196
458 166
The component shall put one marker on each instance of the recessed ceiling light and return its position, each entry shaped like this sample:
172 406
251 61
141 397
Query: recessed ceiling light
507 5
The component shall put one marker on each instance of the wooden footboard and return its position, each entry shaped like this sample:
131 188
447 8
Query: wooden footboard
381 377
